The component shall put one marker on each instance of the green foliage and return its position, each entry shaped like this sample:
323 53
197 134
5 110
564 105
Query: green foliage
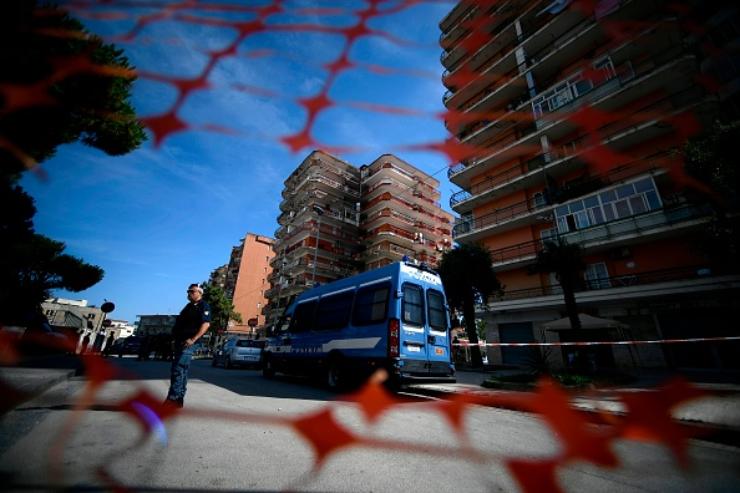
31 265
712 159
58 84
222 309
467 274
573 379
79 103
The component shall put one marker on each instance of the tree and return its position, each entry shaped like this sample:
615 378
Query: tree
711 158
222 309
467 274
565 260
58 84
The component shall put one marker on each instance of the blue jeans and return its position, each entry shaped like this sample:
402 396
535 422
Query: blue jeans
179 373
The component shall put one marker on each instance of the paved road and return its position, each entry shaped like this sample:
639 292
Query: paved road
204 450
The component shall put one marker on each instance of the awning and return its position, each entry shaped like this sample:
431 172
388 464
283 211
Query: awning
587 322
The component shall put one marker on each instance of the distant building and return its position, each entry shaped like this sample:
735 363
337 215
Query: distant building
401 215
148 325
119 329
74 315
337 220
246 281
218 276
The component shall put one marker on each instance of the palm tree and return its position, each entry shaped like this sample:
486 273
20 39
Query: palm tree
467 274
565 260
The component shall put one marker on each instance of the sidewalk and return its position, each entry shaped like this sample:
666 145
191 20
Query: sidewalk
720 409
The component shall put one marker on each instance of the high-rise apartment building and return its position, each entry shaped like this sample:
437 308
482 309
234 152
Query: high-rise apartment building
318 238
577 112
337 220
246 281
401 215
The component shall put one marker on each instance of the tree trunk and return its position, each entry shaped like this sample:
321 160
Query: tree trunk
470 329
570 305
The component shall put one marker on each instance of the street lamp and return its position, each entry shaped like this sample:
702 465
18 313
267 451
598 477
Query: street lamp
319 212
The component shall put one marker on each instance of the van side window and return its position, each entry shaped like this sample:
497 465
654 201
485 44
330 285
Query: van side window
436 308
371 304
334 310
303 317
412 305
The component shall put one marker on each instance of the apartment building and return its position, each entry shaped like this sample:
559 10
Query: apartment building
337 220
576 116
401 214
245 281
318 238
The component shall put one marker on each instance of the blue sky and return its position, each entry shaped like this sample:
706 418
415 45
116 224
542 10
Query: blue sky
162 217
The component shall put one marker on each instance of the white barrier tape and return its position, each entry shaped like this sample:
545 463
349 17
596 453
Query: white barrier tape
599 343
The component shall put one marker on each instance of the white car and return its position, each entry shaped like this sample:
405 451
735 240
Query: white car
239 352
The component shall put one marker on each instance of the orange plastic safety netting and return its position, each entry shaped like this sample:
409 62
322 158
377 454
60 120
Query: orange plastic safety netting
134 22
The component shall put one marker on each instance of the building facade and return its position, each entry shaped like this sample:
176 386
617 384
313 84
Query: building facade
318 237
577 117
246 281
401 215
338 220
75 315
151 325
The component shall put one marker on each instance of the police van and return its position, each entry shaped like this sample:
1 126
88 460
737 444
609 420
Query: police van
394 317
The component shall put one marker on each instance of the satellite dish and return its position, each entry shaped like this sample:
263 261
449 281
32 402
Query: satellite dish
107 307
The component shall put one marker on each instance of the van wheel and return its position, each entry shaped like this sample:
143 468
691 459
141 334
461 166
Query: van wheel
268 370
334 377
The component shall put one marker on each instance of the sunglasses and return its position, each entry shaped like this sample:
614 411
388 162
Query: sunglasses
192 290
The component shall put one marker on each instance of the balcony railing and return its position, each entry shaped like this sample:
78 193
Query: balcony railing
641 223
638 279
496 217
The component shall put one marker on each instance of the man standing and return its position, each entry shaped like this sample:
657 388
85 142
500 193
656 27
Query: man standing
190 326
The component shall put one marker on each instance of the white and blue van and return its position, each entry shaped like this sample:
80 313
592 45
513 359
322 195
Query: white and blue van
394 317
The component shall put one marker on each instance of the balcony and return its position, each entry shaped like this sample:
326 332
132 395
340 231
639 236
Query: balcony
622 232
666 283
512 216
557 34
673 75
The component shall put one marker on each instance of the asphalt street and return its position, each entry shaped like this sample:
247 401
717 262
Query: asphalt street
232 438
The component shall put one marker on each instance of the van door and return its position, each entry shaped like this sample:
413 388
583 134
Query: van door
413 337
437 334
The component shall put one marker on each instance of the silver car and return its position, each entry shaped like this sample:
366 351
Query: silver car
239 352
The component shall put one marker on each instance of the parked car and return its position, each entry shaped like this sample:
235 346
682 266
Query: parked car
239 352
126 345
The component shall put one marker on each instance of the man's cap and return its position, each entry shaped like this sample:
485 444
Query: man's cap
196 286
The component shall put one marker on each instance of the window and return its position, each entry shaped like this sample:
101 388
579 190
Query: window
597 277
436 307
371 304
412 306
303 316
334 310
620 202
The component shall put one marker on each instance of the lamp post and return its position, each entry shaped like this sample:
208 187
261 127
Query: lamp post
319 212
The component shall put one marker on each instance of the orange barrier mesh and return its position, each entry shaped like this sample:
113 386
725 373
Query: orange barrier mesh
647 417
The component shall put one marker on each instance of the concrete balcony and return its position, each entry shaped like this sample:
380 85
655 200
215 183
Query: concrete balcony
673 75
649 226
668 284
